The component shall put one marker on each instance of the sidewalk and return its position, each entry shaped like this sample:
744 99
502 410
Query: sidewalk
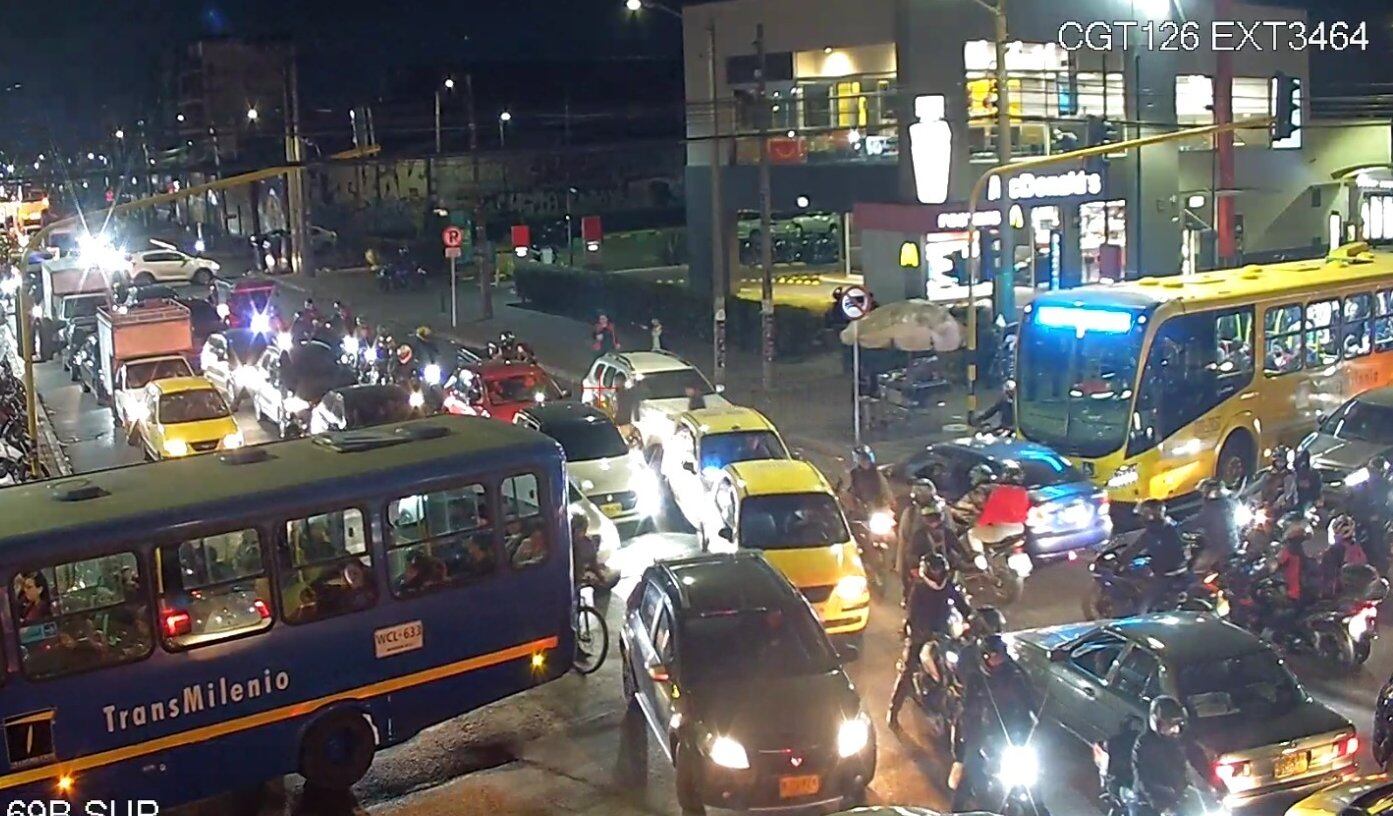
810 400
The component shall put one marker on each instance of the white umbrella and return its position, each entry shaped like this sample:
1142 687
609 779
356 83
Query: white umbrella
907 325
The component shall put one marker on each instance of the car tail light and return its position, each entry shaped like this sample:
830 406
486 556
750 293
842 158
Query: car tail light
176 622
1347 747
261 608
1235 774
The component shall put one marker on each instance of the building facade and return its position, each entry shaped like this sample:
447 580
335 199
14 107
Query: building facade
885 109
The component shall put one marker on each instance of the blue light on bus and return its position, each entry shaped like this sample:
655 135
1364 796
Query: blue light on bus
1082 319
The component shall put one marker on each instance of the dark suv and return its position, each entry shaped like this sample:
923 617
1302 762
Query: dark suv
743 691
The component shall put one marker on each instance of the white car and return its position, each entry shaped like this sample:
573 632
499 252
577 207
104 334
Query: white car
615 478
130 399
164 265
659 381
708 439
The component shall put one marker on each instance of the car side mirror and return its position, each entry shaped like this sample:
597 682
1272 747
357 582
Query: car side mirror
848 653
565 393
658 673
690 467
1320 418
727 533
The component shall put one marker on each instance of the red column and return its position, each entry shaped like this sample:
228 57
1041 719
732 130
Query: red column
1223 114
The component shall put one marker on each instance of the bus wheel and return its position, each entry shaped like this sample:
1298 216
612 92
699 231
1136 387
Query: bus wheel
337 750
1235 463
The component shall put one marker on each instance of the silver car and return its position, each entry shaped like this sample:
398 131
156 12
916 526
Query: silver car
1346 440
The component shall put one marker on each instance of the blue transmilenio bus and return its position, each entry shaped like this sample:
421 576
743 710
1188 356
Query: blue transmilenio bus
190 627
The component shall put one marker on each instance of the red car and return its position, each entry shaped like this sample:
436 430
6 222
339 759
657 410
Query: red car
499 389
247 303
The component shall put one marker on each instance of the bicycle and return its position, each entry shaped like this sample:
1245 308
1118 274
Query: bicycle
592 633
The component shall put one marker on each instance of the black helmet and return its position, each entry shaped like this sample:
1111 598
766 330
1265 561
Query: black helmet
991 620
1211 489
1167 716
505 337
1012 473
309 303
1280 458
863 453
933 569
931 511
994 653
1303 459
338 304
1297 529
1196 605
1149 510
980 474
923 491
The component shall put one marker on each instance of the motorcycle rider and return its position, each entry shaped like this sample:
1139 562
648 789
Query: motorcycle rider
1160 760
1304 484
1165 551
1217 524
932 598
931 535
1273 491
998 706
922 492
1297 576
1344 548
1369 504
342 316
1117 779
866 486
981 480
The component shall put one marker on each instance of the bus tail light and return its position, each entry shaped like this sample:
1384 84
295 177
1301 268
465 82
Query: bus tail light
176 622
261 608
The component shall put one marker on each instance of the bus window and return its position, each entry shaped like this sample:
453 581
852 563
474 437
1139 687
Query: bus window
1383 321
1196 361
1322 328
1282 346
438 539
524 528
1355 331
212 589
82 615
325 567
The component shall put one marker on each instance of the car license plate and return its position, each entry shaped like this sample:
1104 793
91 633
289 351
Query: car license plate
1291 765
612 509
791 787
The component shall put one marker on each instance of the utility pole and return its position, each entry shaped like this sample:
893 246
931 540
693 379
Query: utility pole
482 249
1005 289
766 247
1225 247
302 259
720 280
437 121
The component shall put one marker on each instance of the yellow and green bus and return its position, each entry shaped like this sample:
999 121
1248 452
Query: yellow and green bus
1151 385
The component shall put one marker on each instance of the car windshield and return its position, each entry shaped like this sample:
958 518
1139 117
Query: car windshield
791 520
313 358
1361 422
1075 387
192 406
754 644
379 408
139 375
673 384
589 439
522 388
721 449
1044 468
86 306
1252 685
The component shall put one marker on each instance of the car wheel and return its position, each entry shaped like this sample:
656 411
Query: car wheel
337 751
1235 462
144 279
203 276
688 781
630 683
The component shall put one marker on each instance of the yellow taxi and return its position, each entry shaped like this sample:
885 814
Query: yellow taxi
1363 796
786 509
707 439
180 416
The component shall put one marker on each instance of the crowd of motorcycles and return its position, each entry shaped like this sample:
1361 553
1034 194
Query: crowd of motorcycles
16 446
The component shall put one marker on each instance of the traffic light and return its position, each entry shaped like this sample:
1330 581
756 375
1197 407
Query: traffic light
1288 97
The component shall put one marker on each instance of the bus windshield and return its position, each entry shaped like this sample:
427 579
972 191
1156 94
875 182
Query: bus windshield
1075 388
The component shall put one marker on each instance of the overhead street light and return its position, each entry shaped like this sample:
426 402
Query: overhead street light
120 134
253 114
449 83
503 119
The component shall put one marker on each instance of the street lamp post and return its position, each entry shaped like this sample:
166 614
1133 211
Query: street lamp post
503 119
719 278
449 86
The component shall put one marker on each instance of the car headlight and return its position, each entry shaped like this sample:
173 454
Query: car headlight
1125 476
881 523
295 404
416 400
176 447
1243 516
1357 478
136 411
284 340
431 374
244 376
647 493
728 753
851 588
261 323
350 345
1019 767
233 440
853 736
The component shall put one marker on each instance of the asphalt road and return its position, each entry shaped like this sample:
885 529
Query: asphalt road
570 747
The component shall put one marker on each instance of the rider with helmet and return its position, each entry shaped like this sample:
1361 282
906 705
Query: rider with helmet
1275 482
1217 524
1160 541
867 487
1343 549
998 708
932 597
1160 758
928 533
1304 485
981 480
1369 503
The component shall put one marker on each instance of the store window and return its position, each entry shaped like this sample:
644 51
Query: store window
1377 215
1038 80
1194 107
1100 95
1103 239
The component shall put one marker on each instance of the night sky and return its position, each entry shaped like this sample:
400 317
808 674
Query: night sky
86 64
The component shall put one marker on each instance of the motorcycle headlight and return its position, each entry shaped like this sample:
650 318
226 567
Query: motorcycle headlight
853 736
1019 768
881 523
647 493
1242 515
728 753
233 440
176 447
851 589
261 323
431 374
284 340
416 400
350 346
980 562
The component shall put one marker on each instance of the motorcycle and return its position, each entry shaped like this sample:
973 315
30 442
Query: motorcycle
939 684
401 273
875 538
996 571
1011 787
1121 579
